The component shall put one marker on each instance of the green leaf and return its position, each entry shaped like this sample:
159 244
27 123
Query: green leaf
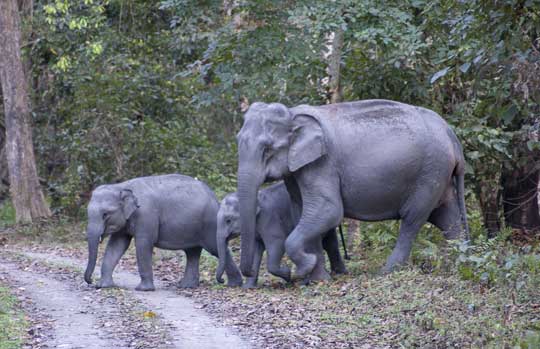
473 155
465 67
509 114
439 74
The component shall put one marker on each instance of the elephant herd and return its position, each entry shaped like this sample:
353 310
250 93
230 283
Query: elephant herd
369 160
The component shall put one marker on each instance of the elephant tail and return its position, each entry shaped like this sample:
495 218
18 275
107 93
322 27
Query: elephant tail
459 178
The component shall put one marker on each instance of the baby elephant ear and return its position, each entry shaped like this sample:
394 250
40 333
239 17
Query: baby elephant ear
129 202
307 142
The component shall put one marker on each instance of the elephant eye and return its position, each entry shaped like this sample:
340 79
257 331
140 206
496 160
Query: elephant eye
228 221
105 215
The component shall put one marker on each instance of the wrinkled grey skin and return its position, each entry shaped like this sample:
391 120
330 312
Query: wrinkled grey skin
276 219
171 212
369 160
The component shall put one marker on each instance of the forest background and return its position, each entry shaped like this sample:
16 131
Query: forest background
120 89
101 91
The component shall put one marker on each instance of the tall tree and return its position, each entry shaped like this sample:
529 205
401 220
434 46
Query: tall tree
25 190
334 66
4 174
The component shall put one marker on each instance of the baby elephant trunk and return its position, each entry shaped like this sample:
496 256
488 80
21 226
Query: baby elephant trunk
94 232
92 257
222 248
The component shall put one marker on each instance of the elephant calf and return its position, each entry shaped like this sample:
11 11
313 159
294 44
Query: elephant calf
275 221
172 212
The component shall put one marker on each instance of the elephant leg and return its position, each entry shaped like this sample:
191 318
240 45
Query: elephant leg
144 248
274 253
447 218
234 276
331 246
318 216
116 247
319 272
251 282
415 215
191 273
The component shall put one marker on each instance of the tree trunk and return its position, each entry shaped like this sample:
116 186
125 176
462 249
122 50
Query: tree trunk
520 184
335 46
4 174
488 194
26 194
520 189
334 66
353 235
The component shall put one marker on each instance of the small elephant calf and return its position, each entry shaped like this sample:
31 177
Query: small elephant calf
172 212
275 220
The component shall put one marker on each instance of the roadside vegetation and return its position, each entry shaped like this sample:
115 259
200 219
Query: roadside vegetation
453 294
13 324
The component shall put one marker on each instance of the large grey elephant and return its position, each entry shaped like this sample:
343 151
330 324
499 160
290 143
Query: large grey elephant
370 160
172 212
276 219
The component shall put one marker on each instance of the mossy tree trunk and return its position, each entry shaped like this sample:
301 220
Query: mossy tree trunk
26 194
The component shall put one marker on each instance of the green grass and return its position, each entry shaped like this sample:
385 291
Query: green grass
7 214
12 322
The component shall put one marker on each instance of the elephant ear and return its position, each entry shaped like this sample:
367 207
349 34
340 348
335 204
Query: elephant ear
129 202
307 142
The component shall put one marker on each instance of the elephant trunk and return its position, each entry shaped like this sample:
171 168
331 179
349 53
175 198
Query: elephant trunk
248 185
222 235
94 237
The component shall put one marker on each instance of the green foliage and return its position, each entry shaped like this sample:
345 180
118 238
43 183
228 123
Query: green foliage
119 111
125 89
496 261
7 214
12 322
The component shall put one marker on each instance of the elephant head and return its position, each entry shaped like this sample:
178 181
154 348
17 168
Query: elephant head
228 227
108 212
272 144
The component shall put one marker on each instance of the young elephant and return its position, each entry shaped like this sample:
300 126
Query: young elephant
172 212
276 219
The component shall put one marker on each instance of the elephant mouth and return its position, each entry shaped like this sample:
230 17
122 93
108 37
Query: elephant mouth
104 235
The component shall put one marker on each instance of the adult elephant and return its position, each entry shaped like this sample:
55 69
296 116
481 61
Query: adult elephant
172 212
370 160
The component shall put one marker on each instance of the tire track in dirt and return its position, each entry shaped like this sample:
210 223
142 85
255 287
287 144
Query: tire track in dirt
74 325
190 327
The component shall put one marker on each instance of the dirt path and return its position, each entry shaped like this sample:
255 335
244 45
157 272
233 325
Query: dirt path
189 327
73 318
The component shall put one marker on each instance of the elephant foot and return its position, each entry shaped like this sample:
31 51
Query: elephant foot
250 283
105 284
186 283
340 269
305 267
145 286
234 282
389 268
282 272
319 275
306 282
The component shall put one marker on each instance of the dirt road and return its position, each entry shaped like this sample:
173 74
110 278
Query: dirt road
82 321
